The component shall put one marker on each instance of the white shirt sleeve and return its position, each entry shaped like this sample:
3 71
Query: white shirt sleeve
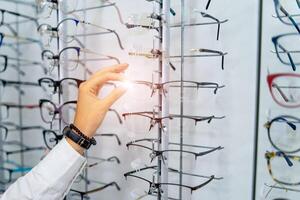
51 179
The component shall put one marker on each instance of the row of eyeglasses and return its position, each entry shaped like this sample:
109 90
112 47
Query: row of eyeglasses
72 56
283 164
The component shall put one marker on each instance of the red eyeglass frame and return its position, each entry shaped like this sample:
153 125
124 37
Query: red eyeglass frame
271 78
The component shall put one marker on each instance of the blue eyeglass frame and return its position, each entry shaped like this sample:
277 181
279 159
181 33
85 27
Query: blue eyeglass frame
284 119
279 7
277 46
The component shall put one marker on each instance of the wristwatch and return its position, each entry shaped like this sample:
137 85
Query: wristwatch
79 138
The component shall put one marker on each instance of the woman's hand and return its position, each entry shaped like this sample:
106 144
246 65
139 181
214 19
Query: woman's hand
91 110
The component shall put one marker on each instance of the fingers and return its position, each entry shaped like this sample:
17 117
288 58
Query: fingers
112 69
97 82
114 96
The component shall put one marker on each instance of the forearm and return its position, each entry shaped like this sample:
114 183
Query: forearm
51 178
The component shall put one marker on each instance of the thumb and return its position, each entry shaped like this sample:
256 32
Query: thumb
114 96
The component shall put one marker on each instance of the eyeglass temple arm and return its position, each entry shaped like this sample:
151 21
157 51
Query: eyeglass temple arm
117 114
110 30
215 19
114 158
298 3
138 177
280 92
20 15
14 142
173 171
12 30
293 126
210 118
144 114
199 84
203 184
209 151
281 188
139 145
91 8
191 152
290 18
289 56
25 150
108 56
104 6
31 127
143 140
102 188
110 135
270 155
207 5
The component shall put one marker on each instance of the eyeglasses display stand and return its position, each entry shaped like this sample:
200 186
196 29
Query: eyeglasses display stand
183 130
276 157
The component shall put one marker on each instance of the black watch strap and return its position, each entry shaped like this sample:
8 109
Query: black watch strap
82 141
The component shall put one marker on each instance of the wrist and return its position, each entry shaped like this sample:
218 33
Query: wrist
75 146
77 137
84 128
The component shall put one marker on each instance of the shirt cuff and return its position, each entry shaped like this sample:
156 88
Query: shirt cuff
61 167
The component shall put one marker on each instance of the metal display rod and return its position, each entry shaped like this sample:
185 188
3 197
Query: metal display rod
165 99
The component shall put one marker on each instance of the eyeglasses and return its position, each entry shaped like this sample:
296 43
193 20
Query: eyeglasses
3 12
148 117
76 194
5 62
283 133
67 31
24 149
287 49
139 87
61 86
207 53
50 111
157 153
51 138
102 160
15 84
284 88
153 187
24 39
69 57
284 16
46 7
17 127
283 168
5 108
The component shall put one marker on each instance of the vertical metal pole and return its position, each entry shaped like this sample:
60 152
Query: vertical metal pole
58 64
258 76
165 99
160 96
181 92
19 88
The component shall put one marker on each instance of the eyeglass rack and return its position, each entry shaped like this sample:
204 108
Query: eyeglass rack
16 48
164 29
